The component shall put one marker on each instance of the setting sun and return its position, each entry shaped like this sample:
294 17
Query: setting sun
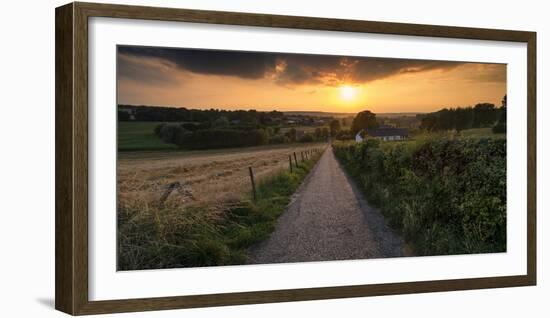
347 92
266 81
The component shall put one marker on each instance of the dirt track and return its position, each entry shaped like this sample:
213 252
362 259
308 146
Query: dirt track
328 219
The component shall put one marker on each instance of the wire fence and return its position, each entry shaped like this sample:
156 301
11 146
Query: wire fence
211 178
305 155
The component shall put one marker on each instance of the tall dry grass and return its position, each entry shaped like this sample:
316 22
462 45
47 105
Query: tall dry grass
210 220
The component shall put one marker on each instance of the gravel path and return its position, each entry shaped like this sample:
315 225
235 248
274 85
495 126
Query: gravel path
328 219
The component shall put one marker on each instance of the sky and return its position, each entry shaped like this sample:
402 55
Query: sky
204 79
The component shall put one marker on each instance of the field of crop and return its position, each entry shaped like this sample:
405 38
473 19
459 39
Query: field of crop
214 177
134 136
211 219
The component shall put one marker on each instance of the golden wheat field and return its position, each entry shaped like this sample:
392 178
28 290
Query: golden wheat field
213 177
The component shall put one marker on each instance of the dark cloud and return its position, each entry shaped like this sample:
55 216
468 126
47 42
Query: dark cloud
377 68
297 74
153 72
287 69
230 63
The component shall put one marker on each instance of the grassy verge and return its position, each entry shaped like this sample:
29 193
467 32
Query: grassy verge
446 196
152 237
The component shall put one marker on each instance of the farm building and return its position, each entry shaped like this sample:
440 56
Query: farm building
388 133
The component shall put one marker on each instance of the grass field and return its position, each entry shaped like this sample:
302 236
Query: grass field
133 136
481 133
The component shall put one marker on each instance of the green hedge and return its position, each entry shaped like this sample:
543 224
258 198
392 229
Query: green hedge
214 138
447 196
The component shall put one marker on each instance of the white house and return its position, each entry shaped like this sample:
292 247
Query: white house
358 137
388 133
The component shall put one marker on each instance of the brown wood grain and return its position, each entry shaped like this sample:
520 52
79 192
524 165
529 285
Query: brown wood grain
72 157
532 158
64 235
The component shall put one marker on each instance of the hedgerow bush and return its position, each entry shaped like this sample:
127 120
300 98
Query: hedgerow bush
446 196
213 138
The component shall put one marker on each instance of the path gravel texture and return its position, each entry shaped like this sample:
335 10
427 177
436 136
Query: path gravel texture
328 219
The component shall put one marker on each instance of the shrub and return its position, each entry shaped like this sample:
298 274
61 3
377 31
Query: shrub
499 128
447 196
344 135
158 128
170 133
278 139
306 138
221 138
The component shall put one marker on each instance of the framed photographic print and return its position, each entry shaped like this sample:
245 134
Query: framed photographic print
211 158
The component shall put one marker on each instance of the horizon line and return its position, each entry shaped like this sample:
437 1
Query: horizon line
266 111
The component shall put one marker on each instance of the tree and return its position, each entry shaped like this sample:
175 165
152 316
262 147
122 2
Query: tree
363 120
428 122
464 118
460 118
324 133
500 127
291 134
221 122
485 115
169 133
317 133
307 138
123 115
334 127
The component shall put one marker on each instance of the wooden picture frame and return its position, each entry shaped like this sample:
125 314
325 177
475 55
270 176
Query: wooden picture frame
71 290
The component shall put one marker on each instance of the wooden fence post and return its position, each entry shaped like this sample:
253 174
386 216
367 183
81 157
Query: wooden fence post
166 193
295 160
302 155
290 162
252 181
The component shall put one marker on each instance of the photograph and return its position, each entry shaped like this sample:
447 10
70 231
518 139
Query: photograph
231 157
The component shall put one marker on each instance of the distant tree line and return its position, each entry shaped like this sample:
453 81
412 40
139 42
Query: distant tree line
216 128
172 114
250 117
210 138
231 137
480 116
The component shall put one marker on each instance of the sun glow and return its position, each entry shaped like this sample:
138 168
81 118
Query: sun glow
347 92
